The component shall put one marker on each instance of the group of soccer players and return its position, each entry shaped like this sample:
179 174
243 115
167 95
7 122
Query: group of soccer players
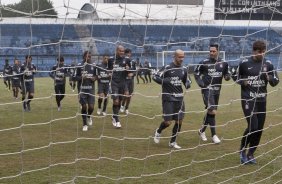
115 77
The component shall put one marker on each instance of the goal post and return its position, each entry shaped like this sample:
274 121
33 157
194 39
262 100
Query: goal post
191 57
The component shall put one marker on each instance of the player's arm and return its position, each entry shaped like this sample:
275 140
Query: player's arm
197 75
34 70
129 68
273 78
52 72
238 76
160 78
95 76
78 75
186 79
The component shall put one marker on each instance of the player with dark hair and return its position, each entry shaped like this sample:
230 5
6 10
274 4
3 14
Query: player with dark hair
120 67
28 71
253 74
171 78
86 76
58 73
129 85
16 78
7 72
209 74
72 74
104 78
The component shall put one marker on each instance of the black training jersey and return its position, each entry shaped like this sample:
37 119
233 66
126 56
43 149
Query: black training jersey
253 76
119 67
103 73
171 78
16 72
72 71
7 70
86 75
28 71
209 73
59 73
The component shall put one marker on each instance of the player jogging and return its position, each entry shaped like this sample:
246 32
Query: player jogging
208 75
171 78
253 74
7 72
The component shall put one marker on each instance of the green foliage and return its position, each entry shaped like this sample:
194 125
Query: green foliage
42 8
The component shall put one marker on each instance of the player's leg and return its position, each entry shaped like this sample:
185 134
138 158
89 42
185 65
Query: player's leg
179 108
117 93
23 87
57 97
205 96
91 102
9 83
83 103
130 92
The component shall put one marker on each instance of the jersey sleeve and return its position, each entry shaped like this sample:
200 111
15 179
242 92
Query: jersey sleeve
197 74
226 72
273 78
186 79
160 78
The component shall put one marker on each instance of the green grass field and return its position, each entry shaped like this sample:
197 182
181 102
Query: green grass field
47 146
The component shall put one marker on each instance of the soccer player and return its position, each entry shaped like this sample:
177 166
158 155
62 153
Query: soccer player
139 71
16 78
104 78
58 73
147 71
209 74
28 71
253 74
171 78
86 75
72 74
7 72
129 85
119 65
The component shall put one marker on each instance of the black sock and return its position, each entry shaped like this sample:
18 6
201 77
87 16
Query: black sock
105 104
211 120
29 99
99 102
175 130
83 114
115 112
205 124
163 126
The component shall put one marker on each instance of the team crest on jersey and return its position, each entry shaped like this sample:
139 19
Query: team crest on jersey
92 68
221 65
264 68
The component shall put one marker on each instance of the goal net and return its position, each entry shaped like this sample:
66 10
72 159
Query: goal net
45 145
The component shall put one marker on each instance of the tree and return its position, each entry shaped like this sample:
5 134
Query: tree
39 8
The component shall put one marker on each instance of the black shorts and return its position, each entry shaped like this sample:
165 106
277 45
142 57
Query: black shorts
87 98
129 86
60 88
117 90
103 88
28 87
173 110
16 83
7 79
210 98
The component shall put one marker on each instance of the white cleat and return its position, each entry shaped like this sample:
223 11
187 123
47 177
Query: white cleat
104 113
126 112
202 135
89 121
121 109
99 111
85 128
174 145
215 139
114 122
118 125
59 108
157 137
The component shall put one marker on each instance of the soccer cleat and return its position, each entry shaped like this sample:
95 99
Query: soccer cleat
59 108
202 135
118 125
174 145
73 90
126 112
121 109
243 157
104 113
157 137
89 121
85 128
251 159
215 139
114 122
99 111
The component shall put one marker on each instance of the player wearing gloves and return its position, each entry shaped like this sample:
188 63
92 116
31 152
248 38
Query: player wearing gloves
171 78
209 74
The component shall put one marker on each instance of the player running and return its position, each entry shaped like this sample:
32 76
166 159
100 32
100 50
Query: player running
7 72
16 78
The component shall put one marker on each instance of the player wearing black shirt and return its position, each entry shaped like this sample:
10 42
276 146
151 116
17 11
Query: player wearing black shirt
208 74
104 78
86 75
119 65
16 78
7 74
129 85
58 74
28 71
253 74
72 74
171 78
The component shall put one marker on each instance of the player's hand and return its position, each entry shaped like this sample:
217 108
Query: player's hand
188 84
130 74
